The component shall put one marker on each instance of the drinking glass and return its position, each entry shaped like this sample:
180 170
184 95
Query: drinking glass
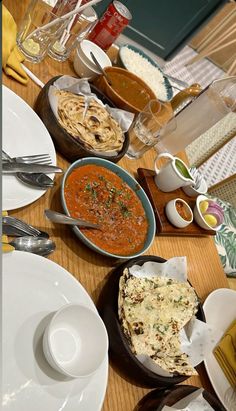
145 130
209 107
76 30
33 39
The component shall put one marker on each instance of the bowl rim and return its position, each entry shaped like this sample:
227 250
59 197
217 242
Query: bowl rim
154 63
169 394
110 308
136 78
108 164
49 330
200 198
77 143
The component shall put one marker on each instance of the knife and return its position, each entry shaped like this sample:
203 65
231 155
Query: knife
29 168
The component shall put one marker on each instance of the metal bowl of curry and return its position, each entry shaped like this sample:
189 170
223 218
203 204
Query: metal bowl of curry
101 192
126 90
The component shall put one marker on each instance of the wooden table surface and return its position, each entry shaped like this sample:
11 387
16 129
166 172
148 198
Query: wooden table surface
204 268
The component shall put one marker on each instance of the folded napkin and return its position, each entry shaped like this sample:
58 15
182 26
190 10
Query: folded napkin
225 353
5 246
11 55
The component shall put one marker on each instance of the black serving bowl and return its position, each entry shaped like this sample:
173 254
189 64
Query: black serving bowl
123 358
65 143
157 399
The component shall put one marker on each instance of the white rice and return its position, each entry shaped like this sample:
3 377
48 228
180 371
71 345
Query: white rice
150 74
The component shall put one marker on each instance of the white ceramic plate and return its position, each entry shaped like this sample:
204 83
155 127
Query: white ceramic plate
34 287
23 133
220 310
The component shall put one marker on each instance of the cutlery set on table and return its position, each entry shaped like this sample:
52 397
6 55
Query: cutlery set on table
30 169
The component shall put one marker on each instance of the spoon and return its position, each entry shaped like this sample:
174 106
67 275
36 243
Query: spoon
35 245
100 67
64 219
36 180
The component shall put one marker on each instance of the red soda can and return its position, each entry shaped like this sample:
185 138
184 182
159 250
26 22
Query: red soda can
110 25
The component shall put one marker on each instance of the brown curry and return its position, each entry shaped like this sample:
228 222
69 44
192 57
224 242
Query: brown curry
129 89
98 195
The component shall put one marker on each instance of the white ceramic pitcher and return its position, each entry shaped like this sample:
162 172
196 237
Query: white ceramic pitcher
174 174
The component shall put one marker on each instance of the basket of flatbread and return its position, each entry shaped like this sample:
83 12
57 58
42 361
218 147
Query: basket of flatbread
147 317
82 125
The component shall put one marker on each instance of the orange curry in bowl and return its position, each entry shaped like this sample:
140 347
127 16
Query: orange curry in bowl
129 89
98 195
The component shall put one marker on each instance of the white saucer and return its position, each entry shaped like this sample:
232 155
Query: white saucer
220 310
34 287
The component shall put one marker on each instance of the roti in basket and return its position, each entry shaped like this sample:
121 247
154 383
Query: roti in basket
152 312
89 122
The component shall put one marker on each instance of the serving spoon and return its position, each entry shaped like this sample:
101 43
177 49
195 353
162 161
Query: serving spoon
100 68
65 219
35 245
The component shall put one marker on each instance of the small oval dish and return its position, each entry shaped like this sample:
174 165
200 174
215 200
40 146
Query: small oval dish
208 214
70 341
139 63
120 352
179 213
72 149
109 192
157 399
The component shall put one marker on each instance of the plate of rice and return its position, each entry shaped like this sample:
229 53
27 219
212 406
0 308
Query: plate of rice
139 63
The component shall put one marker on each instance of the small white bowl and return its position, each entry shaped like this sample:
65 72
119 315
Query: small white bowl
198 217
83 62
75 341
174 217
84 69
86 46
192 192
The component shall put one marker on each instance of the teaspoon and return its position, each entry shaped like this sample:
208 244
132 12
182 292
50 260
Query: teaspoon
35 245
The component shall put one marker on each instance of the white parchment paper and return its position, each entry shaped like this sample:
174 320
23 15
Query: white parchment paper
197 338
82 87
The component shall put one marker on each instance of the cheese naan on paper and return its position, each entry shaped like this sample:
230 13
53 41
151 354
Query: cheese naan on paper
152 312
92 125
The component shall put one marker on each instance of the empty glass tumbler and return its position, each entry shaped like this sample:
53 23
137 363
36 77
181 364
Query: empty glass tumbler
145 130
76 30
34 36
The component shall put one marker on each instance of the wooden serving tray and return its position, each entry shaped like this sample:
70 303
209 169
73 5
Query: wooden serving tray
159 199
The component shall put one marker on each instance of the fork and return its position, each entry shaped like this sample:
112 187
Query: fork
20 225
38 158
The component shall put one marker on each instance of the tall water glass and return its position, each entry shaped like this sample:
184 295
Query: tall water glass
32 38
76 30
212 104
145 130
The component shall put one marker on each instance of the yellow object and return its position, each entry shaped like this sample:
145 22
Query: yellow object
210 219
5 246
203 206
225 353
31 46
11 55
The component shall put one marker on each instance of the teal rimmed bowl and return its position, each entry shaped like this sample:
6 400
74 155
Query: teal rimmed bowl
133 184
120 62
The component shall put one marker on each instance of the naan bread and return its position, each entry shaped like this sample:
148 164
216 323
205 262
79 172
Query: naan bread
93 126
152 312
